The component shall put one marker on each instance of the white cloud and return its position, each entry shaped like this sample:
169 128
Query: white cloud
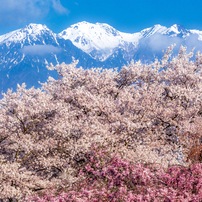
40 49
23 11
57 6
192 42
159 42
154 45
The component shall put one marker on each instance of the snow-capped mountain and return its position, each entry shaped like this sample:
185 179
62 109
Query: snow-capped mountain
25 53
172 31
98 40
32 32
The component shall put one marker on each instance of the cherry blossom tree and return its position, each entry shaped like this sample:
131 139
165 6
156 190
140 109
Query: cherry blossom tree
145 112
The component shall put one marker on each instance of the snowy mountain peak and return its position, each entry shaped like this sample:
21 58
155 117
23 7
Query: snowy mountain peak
35 28
86 26
174 30
109 29
178 28
100 38
146 33
30 30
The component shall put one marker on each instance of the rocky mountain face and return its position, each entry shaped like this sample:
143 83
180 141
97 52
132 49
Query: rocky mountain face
25 53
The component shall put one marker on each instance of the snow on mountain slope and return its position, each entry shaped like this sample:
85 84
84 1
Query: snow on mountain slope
100 40
146 33
98 37
25 53
32 39
30 33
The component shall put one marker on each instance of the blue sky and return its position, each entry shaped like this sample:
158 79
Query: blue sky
124 15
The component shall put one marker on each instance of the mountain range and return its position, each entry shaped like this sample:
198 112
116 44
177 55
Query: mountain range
25 53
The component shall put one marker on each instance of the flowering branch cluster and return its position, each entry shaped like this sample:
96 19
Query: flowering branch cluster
144 114
112 179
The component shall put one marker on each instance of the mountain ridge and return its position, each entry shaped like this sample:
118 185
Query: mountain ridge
25 53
